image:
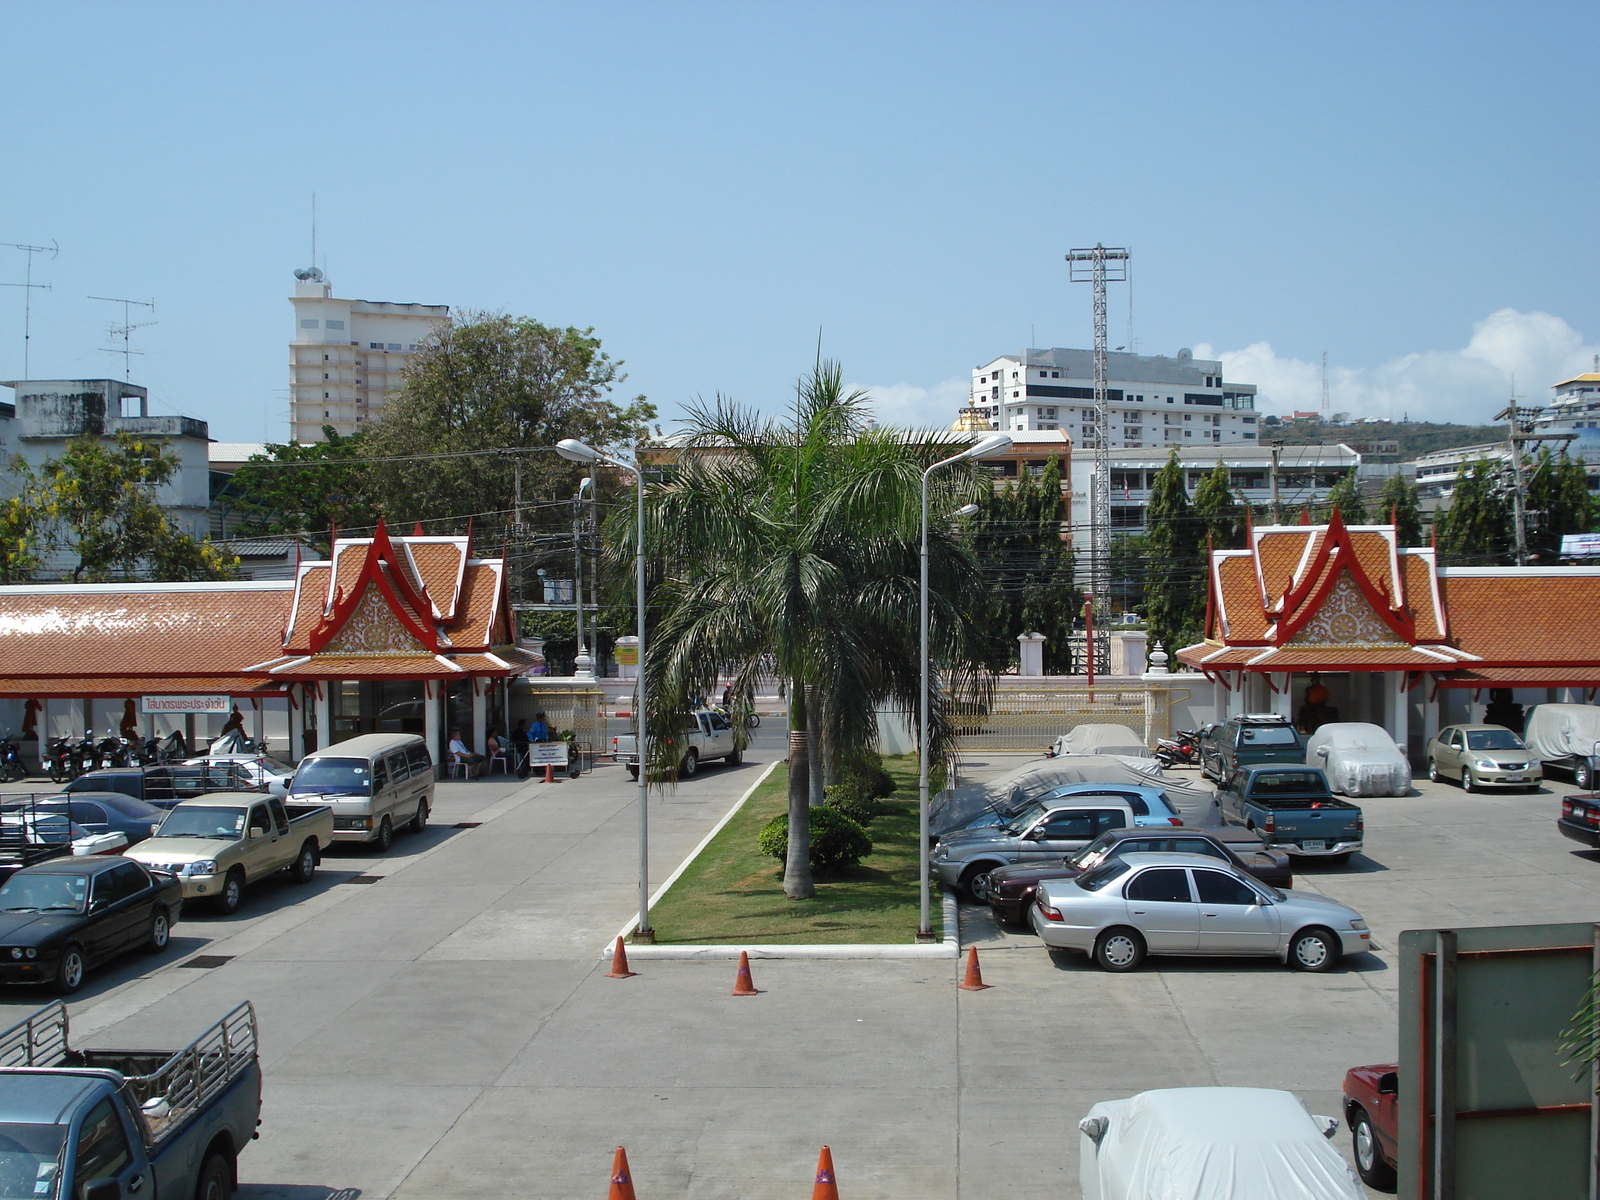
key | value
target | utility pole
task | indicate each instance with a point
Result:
(1098, 265)
(1277, 515)
(1519, 425)
(1326, 407)
(27, 287)
(125, 331)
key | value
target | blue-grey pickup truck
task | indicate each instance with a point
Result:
(105, 1124)
(1293, 809)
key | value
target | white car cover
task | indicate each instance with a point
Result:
(1101, 739)
(1360, 759)
(1195, 800)
(1217, 1143)
(1558, 731)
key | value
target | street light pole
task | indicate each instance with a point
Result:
(576, 451)
(995, 443)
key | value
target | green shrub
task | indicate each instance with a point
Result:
(847, 797)
(865, 770)
(836, 840)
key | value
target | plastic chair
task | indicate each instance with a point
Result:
(501, 759)
(456, 766)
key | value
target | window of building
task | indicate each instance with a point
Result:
(335, 325)
(324, 395)
(324, 374)
(325, 413)
(1049, 412)
(394, 345)
(374, 345)
(324, 358)
(1055, 374)
(311, 323)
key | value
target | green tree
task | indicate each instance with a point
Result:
(1397, 502)
(1557, 502)
(102, 497)
(25, 527)
(1346, 497)
(309, 489)
(1477, 529)
(1029, 570)
(1175, 570)
(496, 382)
(794, 545)
(1218, 510)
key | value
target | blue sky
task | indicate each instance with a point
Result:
(1411, 188)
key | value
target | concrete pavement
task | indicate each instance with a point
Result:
(448, 1029)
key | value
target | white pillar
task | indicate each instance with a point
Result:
(1283, 702)
(1430, 713)
(297, 723)
(1030, 655)
(320, 708)
(1399, 713)
(480, 714)
(430, 725)
(260, 721)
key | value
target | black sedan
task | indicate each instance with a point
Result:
(62, 917)
(106, 812)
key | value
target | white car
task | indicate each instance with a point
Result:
(1359, 759)
(1211, 1143)
(254, 769)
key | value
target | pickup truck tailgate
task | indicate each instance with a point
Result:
(1327, 823)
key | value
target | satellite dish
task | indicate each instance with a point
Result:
(1185, 354)
(309, 273)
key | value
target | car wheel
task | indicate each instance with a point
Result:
(1119, 949)
(633, 772)
(1582, 776)
(420, 821)
(1468, 783)
(305, 865)
(734, 759)
(969, 877)
(160, 932)
(216, 1180)
(1374, 1171)
(385, 837)
(70, 972)
(1313, 950)
(232, 894)
(691, 764)
(1433, 771)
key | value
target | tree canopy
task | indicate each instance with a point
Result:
(306, 489)
(1175, 568)
(1398, 502)
(1028, 569)
(1477, 529)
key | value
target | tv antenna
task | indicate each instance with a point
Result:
(28, 285)
(125, 331)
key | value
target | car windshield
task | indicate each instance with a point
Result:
(1091, 854)
(1268, 735)
(1287, 783)
(42, 892)
(1026, 817)
(334, 775)
(1493, 739)
(1095, 879)
(30, 1160)
(202, 821)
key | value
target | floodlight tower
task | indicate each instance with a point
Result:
(1099, 265)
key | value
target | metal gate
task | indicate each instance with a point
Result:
(1029, 714)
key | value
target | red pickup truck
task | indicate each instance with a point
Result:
(1369, 1110)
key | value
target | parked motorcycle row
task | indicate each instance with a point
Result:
(66, 758)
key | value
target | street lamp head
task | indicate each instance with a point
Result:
(995, 443)
(573, 450)
(967, 510)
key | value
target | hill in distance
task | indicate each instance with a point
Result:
(1415, 437)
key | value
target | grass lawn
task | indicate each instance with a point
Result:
(733, 893)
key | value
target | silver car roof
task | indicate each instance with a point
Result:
(1171, 858)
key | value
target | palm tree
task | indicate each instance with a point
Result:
(794, 545)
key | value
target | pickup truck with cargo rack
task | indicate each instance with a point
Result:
(218, 844)
(1246, 740)
(104, 1124)
(1293, 810)
(165, 786)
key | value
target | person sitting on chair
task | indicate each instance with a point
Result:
(472, 764)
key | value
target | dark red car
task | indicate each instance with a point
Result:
(1369, 1110)
(1009, 890)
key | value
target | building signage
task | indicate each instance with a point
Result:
(547, 754)
(626, 656)
(1383, 448)
(1580, 545)
(150, 705)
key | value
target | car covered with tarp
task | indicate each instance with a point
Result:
(1567, 737)
(1359, 759)
(1195, 800)
(1211, 1143)
(1101, 739)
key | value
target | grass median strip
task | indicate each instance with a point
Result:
(734, 893)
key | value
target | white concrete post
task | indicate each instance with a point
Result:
(480, 717)
(1430, 715)
(297, 724)
(1030, 655)
(430, 726)
(1399, 710)
(1283, 702)
(320, 708)
(260, 722)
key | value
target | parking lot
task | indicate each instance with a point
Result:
(447, 1029)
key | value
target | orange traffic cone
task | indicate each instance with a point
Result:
(974, 980)
(619, 963)
(621, 1177)
(549, 773)
(743, 985)
(826, 1187)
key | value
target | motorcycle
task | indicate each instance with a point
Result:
(1180, 750)
(85, 754)
(59, 760)
(112, 752)
(11, 768)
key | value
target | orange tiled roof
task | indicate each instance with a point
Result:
(1536, 617)
(42, 687)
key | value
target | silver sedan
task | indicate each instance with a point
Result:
(1165, 903)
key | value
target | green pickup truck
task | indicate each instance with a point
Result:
(1292, 809)
(1246, 740)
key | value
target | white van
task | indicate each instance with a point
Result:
(372, 782)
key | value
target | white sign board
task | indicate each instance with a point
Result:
(150, 705)
(1580, 545)
(547, 754)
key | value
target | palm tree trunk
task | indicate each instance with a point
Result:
(814, 751)
(797, 883)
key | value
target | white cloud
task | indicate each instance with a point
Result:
(1468, 385)
(907, 406)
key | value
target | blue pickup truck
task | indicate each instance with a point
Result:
(1293, 809)
(104, 1124)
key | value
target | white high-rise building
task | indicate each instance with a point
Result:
(347, 355)
(1155, 400)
